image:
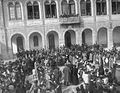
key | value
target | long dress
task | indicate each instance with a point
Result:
(66, 72)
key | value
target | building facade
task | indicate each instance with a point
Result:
(36, 24)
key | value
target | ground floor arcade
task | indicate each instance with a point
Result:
(54, 39)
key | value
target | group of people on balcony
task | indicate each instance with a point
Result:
(89, 68)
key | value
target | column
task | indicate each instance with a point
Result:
(61, 39)
(94, 33)
(92, 7)
(77, 36)
(110, 38)
(26, 43)
(43, 41)
(110, 29)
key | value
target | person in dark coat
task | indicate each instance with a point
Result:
(74, 75)
(101, 69)
(58, 75)
(27, 86)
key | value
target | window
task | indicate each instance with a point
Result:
(15, 11)
(115, 6)
(30, 10)
(47, 9)
(18, 10)
(85, 8)
(88, 7)
(11, 11)
(36, 10)
(50, 9)
(68, 8)
(33, 10)
(64, 7)
(71, 7)
(53, 9)
(35, 41)
(101, 7)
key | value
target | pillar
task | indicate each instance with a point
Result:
(26, 43)
(77, 36)
(94, 34)
(61, 39)
(110, 38)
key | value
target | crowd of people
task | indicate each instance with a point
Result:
(91, 68)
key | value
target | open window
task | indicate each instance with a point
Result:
(85, 7)
(115, 6)
(88, 7)
(50, 9)
(30, 10)
(47, 9)
(101, 7)
(36, 10)
(53, 9)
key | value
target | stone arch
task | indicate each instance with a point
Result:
(17, 42)
(35, 43)
(70, 38)
(87, 36)
(102, 37)
(52, 40)
(116, 36)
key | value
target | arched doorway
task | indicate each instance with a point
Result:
(102, 37)
(87, 37)
(70, 38)
(116, 36)
(53, 40)
(17, 43)
(35, 41)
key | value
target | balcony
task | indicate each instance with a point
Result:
(69, 19)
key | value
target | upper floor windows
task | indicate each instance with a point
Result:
(85, 7)
(115, 6)
(14, 11)
(64, 7)
(68, 8)
(50, 9)
(101, 7)
(71, 7)
(33, 10)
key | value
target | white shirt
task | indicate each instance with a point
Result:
(86, 78)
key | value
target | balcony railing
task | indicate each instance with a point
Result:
(69, 19)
